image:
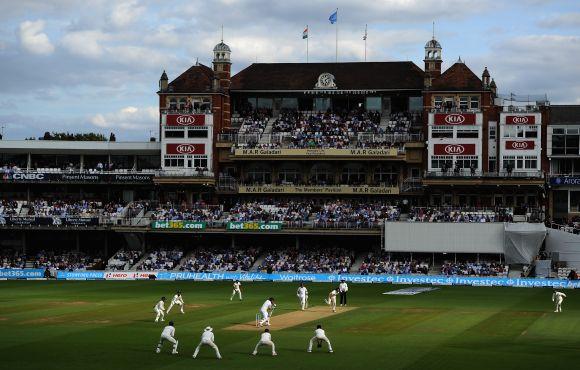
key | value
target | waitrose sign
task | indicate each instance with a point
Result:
(178, 224)
(254, 226)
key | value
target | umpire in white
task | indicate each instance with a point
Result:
(342, 290)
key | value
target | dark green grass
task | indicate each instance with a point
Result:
(109, 325)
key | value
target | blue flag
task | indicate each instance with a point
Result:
(333, 17)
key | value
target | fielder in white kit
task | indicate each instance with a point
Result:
(558, 298)
(302, 295)
(177, 300)
(319, 335)
(207, 338)
(160, 309)
(237, 289)
(168, 334)
(265, 340)
(266, 311)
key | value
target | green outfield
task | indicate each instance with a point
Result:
(109, 325)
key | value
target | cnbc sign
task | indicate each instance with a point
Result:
(178, 225)
(254, 226)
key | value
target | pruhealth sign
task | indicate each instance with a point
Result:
(21, 273)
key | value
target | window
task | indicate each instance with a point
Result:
(200, 133)
(509, 160)
(441, 161)
(492, 164)
(474, 102)
(438, 102)
(530, 163)
(259, 175)
(467, 134)
(353, 175)
(386, 175)
(200, 161)
(558, 144)
(174, 133)
(442, 134)
(289, 176)
(174, 161)
(463, 102)
(373, 103)
(173, 104)
(466, 161)
(492, 133)
(572, 144)
(531, 132)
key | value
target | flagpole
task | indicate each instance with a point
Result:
(336, 35)
(307, 37)
(365, 42)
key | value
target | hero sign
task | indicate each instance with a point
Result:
(185, 149)
(185, 120)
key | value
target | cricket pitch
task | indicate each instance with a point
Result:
(294, 318)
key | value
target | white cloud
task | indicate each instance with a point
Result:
(126, 12)
(85, 43)
(563, 20)
(33, 39)
(127, 118)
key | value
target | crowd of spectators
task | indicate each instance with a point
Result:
(255, 122)
(10, 259)
(199, 212)
(82, 208)
(474, 269)
(124, 259)
(383, 264)
(445, 214)
(316, 260)
(354, 214)
(227, 259)
(65, 260)
(277, 211)
(162, 259)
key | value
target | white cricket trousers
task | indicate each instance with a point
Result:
(234, 294)
(324, 338)
(207, 343)
(265, 343)
(333, 303)
(265, 318)
(175, 303)
(302, 300)
(160, 315)
(559, 305)
(169, 339)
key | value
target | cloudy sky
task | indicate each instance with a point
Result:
(94, 65)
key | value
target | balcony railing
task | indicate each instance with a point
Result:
(454, 110)
(467, 173)
(154, 172)
(186, 111)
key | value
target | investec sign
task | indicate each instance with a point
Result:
(454, 149)
(454, 119)
(185, 120)
(330, 152)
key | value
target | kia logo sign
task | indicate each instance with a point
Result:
(519, 145)
(520, 119)
(185, 120)
(455, 119)
(454, 149)
(185, 148)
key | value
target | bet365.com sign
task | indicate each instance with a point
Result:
(178, 225)
(254, 226)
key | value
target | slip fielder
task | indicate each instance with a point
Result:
(302, 295)
(177, 300)
(160, 309)
(265, 340)
(207, 338)
(320, 336)
(237, 289)
(168, 334)
(558, 298)
(266, 311)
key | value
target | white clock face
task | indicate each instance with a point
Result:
(325, 80)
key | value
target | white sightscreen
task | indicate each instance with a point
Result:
(444, 237)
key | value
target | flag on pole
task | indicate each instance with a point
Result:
(333, 17)
(305, 33)
(365, 36)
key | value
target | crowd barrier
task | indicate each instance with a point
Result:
(287, 277)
